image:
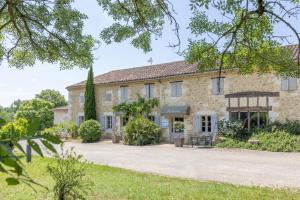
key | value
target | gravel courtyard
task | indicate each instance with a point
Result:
(224, 165)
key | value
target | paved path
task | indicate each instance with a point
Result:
(236, 166)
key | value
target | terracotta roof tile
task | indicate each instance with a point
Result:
(154, 71)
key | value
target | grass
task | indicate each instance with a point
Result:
(116, 183)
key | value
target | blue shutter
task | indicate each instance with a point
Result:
(284, 84)
(214, 123)
(157, 120)
(102, 121)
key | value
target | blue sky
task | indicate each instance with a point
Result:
(24, 84)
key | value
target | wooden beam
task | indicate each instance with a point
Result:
(246, 109)
(252, 94)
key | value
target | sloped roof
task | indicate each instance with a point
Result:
(154, 71)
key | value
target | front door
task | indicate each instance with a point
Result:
(176, 127)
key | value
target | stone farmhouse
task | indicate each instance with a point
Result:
(191, 97)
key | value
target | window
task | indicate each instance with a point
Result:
(176, 89)
(81, 98)
(288, 84)
(108, 96)
(151, 118)
(206, 123)
(124, 93)
(149, 90)
(217, 86)
(178, 125)
(108, 122)
(125, 121)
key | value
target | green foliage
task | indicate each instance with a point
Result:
(11, 134)
(52, 96)
(141, 131)
(292, 127)
(37, 108)
(19, 127)
(70, 176)
(69, 127)
(90, 131)
(89, 98)
(277, 141)
(44, 31)
(142, 106)
(136, 20)
(231, 129)
(246, 40)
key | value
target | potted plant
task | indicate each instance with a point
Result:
(116, 136)
(179, 136)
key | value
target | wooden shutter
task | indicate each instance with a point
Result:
(284, 84)
(214, 123)
(78, 120)
(214, 86)
(197, 124)
(179, 89)
(102, 122)
(221, 86)
(114, 120)
(173, 89)
(292, 83)
(157, 120)
(151, 90)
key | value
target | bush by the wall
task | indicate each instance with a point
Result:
(231, 129)
(292, 127)
(277, 141)
(90, 131)
(141, 131)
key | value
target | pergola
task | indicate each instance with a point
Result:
(253, 101)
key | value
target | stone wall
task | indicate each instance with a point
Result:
(197, 94)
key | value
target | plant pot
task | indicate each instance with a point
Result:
(116, 139)
(179, 142)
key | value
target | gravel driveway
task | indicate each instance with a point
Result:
(235, 166)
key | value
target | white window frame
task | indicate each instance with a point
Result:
(149, 90)
(216, 88)
(178, 89)
(207, 122)
(81, 98)
(108, 122)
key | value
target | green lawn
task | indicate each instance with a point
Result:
(115, 183)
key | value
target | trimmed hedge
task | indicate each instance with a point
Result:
(90, 131)
(141, 131)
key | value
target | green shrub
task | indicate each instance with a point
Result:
(71, 128)
(141, 131)
(231, 129)
(90, 131)
(277, 141)
(68, 127)
(69, 174)
(292, 127)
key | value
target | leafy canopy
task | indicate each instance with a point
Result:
(48, 31)
(241, 35)
(53, 96)
(37, 109)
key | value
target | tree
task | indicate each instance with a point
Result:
(89, 97)
(52, 96)
(140, 107)
(48, 31)
(37, 108)
(241, 36)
